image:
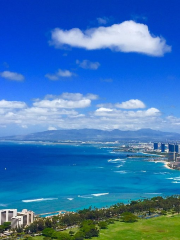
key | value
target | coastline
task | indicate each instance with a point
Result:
(92, 160)
(166, 164)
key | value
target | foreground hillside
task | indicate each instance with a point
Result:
(160, 228)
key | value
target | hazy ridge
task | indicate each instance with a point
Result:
(96, 135)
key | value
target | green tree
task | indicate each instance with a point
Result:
(48, 232)
(71, 233)
(128, 217)
(79, 236)
(7, 225)
(61, 236)
(102, 225)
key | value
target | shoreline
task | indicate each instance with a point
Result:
(166, 164)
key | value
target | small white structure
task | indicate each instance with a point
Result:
(17, 219)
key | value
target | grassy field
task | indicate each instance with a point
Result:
(166, 228)
(160, 228)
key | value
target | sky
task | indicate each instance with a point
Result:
(89, 64)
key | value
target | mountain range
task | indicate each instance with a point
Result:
(97, 135)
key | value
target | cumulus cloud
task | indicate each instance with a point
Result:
(127, 36)
(67, 100)
(70, 110)
(60, 74)
(131, 104)
(107, 112)
(102, 109)
(72, 96)
(86, 64)
(12, 104)
(12, 76)
(61, 103)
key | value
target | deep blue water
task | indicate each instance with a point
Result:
(69, 177)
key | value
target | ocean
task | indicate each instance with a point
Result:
(52, 177)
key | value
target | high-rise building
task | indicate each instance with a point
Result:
(176, 148)
(7, 214)
(171, 147)
(17, 219)
(163, 147)
(155, 146)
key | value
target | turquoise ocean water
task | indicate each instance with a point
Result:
(48, 177)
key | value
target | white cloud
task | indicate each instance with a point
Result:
(60, 73)
(104, 110)
(70, 110)
(52, 128)
(173, 120)
(52, 76)
(131, 104)
(48, 111)
(92, 96)
(112, 113)
(12, 76)
(127, 36)
(61, 103)
(72, 96)
(86, 64)
(67, 100)
(102, 21)
(12, 104)
(64, 73)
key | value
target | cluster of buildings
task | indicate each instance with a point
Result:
(17, 219)
(172, 149)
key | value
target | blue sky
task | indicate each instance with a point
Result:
(89, 64)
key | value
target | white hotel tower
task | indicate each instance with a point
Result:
(17, 219)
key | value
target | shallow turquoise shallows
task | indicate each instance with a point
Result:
(48, 177)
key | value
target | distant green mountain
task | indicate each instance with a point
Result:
(97, 135)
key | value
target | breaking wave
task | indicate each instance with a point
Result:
(70, 199)
(39, 200)
(99, 194)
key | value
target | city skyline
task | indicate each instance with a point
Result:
(78, 64)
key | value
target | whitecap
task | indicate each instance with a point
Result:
(162, 173)
(70, 199)
(155, 193)
(170, 178)
(3, 205)
(85, 196)
(175, 182)
(123, 172)
(39, 200)
(116, 160)
(176, 178)
(119, 166)
(99, 194)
